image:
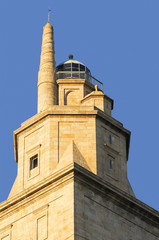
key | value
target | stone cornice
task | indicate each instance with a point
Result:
(57, 110)
(75, 81)
(78, 173)
(71, 81)
(53, 110)
(69, 110)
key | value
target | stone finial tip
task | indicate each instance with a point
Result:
(96, 88)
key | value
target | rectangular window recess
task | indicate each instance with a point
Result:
(110, 164)
(33, 161)
(110, 139)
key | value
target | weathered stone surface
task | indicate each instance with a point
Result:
(105, 212)
(74, 203)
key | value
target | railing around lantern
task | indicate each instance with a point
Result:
(79, 75)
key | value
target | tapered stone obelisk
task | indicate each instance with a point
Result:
(47, 87)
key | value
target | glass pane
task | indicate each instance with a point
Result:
(35, 163)
(75, 65)
(75, 69)
(67, 69)
(82, 75)
(75, 75)
(60, 75)
(88, 78)
(87, 71)
(67, 75)
(82, 68)
(59, 68)
(66, 66)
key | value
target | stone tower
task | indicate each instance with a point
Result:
(72, 164)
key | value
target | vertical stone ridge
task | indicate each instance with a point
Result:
(47, 87)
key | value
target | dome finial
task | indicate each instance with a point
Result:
(70, 56)
(49, 10)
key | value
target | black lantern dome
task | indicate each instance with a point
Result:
(72, 69)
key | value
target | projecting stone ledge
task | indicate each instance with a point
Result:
(89, 192)
(69, 110)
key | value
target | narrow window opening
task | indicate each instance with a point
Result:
(110, 139)
(110, 164)
(34, 162)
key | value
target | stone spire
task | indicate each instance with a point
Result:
(47, 87)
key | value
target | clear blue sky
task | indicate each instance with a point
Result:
(119, 42)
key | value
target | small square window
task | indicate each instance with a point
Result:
(34, 162)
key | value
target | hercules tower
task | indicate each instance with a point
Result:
(72, 163)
